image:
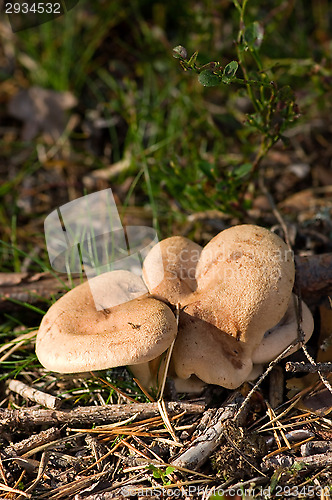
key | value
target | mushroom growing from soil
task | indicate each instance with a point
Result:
(76, 337)
(235, 305)
(245, 277)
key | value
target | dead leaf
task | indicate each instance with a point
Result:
(320, 402)
(42, 111)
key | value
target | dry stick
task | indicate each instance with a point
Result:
(202, 447)
(4, 487)
(3, 473)
(316, 447)
(32, 417)
(75, 486)
(313, 461)
(32, 288)
(28, 392)
(275, 211)
(292, 366)
(32, 442)
(15, 344)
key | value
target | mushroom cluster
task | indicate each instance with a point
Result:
(236, 313)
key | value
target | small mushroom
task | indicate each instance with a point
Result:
(172, 278)
(76, 337)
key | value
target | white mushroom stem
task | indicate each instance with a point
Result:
(278, 338)
(149, 374)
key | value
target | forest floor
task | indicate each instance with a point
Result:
(127, 117)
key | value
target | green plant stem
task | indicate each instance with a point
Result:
(264, 148)
(240, 52)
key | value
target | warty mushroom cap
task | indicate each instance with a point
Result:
(244, 278)
(172, 278)
(75, 337)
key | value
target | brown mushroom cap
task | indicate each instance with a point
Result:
(172, 277)
(283, 334)
(75, 337)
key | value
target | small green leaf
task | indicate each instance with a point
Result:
(230, 71)
(208, 79)
(179, 52)
(208, 169)
(298, 466)
(169, 470)
(274, 480)
(242, 170)
(253, 35)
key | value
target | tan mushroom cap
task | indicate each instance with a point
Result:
(248, 274)
(244, 278)
(203, 350)
(75, 337)
(172, 277)
(284, 333)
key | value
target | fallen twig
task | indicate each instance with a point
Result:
(316, 447)
(35, 395)
(33, 417)
(42, 466)
(284, 461)
(292, 366)
(264, 375)
(33, 288)
(313, 363)
(32, 442)
(202, 447)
